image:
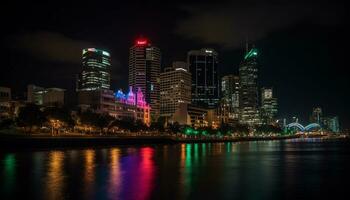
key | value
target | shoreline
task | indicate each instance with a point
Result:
(14, 142)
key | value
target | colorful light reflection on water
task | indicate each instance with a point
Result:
(250, 170)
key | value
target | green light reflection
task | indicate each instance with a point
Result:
(9, 173)
(196, 154)
(204, 150)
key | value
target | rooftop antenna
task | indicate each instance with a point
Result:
(246, 45)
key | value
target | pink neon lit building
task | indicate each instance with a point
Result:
(132, 106)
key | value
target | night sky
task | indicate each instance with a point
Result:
(302, 44)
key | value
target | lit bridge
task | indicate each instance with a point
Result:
(303, 128)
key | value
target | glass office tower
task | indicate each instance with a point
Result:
(203, 65)
(96, 70)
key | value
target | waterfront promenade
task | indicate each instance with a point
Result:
(20, 141)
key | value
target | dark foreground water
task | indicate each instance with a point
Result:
(291, 169)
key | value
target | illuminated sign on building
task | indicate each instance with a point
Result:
(141, 42)
(105, 53)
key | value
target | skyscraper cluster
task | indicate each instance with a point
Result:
(330, 123)
(240, 94)
(185, 90)
(188, 92)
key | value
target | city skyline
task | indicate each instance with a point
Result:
(296, 91)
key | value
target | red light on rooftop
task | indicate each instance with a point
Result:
(141, 42)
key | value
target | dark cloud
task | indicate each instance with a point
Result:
(49, 46)
(232, 23)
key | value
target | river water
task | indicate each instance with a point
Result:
(289, 169)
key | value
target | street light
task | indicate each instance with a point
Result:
(55, 124)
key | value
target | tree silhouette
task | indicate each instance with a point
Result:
(30, 116)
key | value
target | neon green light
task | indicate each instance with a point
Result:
(188, 131)
(252, 53)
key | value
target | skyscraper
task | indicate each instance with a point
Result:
(175, 88)
(96, 70)
(230, 94)
(316, 116)
(331, 124)
(268, 106)
(203, 65)
(144, 72)
(248, 95)
(93, 84)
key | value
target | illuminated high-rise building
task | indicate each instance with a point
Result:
(144, 72)
(230, 95)
(203, 65)
(316, 116)
(248, 95)
(175, 88)
(268, 106)
(93, 83)
(331, 124)
(96, 70)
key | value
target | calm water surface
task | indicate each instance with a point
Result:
(291, 169)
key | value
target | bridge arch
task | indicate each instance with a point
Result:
(297, 125)
(312, 126)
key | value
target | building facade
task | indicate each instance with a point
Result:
(45, 96)
(230, 96)
(132, 105)
(5, 94)
(93, 85)
(331, 124)
(5, 102)
(144, 72)
(175, 88)
(269, 105)
(99, 101)
(203, 66)
(248, 95)
(96, 67)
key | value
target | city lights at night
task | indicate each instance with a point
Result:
(174, 100)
